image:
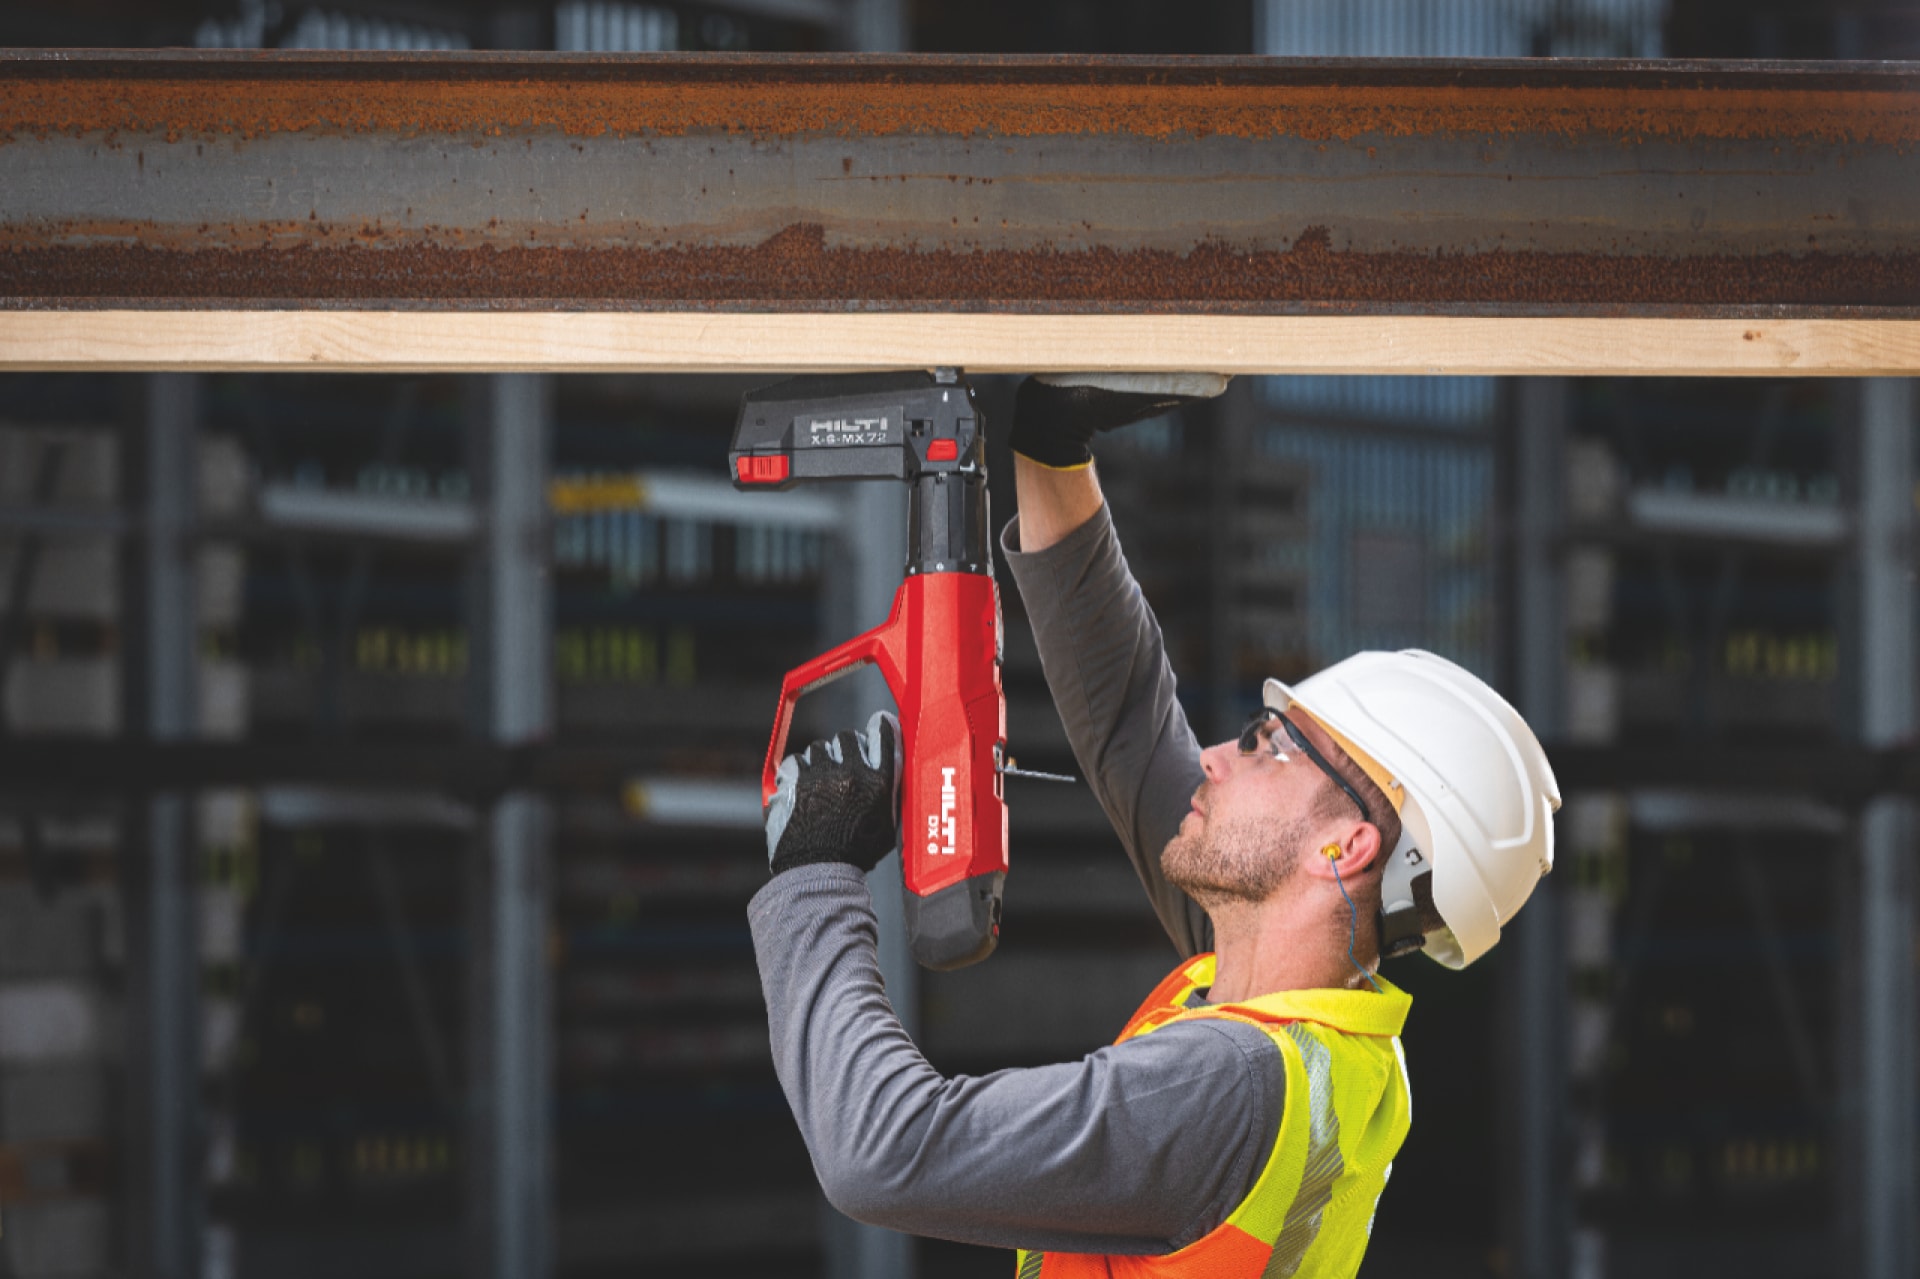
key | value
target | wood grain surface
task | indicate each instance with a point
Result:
(715, 342)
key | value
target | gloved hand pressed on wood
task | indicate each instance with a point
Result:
(1056, 415)
(838, 800)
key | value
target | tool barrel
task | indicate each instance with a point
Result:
(947, 523)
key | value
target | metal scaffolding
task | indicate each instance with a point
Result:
(167, 1198)
(1538, 1222)
(1883, 1108)
(510, 1205)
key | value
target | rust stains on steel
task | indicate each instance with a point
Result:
(215, 179)
(219, 94)
(798, 269)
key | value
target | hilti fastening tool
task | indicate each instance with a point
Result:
(940, 649)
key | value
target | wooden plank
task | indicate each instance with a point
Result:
(720, 342)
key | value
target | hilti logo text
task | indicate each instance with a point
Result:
(940, 828)
(848, 430)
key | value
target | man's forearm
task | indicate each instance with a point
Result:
(1052, 502)
(1138, 1148)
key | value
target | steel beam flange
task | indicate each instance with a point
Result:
(298, 180)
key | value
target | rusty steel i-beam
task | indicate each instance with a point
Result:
(1155, 190)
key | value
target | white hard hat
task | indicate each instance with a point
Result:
(1475, 794)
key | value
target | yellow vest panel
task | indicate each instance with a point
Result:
(1346, 1112)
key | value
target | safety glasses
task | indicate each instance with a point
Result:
(1250, 744)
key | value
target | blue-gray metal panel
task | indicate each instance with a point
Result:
(1888, 829)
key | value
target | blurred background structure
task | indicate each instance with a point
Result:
(415, 1033)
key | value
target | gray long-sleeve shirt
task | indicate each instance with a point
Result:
(1141, 1147)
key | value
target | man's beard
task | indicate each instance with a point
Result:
(1244, 863)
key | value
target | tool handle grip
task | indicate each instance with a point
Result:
(872, 647)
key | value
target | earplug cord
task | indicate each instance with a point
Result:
(1353, 925)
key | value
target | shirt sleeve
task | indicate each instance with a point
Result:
(1140, 1148)
(1106, 665)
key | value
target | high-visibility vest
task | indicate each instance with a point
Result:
(1346, 1112)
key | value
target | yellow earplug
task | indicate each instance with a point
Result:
(1331, 852)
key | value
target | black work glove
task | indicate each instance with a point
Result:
(838, 800)
(1056, 415)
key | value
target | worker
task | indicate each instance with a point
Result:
(1246, 1119)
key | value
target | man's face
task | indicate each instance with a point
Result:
(1252, 819)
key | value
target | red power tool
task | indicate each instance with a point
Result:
(939, 650)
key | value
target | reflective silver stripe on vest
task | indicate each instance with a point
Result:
(1323, 1166)
(1030, 1268)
